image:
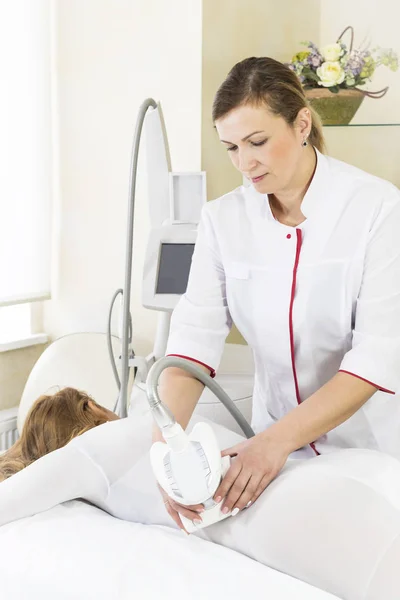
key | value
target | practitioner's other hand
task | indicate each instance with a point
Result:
(256, 463)
(174, 509)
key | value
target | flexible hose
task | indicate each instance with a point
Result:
(162, 414)
(109, 345)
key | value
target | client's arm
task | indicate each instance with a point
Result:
(59, 476)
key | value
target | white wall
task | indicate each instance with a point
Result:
(111, 55)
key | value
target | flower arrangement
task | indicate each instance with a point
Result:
(337, 66)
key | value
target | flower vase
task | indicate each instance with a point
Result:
(335, 109)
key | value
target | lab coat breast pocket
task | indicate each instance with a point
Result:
(324, 306)
(258, 299)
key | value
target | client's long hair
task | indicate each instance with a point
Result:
(51, 423)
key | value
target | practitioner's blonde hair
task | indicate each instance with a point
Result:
(264, 81)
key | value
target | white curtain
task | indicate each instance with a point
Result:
(25, 150)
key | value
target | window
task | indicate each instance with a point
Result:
(25, 158)
(18, 324)
(15, 322)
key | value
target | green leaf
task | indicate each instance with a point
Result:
(309, 74)
(334, 89)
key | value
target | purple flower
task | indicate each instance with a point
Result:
(313, 47)
(314, 60)
(355, 62)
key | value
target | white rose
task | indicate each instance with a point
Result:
(330, 73)
(332, 52)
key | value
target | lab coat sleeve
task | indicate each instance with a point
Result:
(375, 352)
(201, 319)
(62, 475)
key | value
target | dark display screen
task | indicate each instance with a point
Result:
(173, 272)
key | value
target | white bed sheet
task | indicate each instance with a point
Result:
(75, 551)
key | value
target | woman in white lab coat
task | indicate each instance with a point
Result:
(306, 262)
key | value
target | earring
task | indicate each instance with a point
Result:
(305, 143)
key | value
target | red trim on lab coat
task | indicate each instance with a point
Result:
(212, 372)
(381, 389)
(291, 333)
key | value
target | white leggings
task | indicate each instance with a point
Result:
(320, 523)
(332, 521)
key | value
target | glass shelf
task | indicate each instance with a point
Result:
(366, 125)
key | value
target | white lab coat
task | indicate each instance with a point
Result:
(310, 300)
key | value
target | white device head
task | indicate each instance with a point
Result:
(190, 470)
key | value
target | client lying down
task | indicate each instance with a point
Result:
(332, 521)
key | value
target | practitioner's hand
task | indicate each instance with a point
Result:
(257, 462)
(174, 509)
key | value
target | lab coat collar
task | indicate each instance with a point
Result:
(317, 192)
(318, 187)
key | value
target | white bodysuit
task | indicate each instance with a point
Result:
(333, 521)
